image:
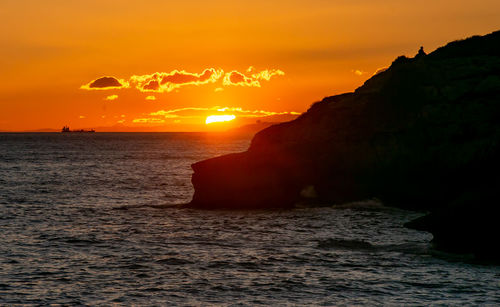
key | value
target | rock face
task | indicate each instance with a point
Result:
(423, 134)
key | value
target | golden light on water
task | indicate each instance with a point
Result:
(219, 118)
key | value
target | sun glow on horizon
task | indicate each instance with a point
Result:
(170, 63)
(219, 118)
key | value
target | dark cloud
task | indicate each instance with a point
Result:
(162, 82)
(152, 85)
(104, 83)
(236, 77)
(179, 77)
(167, 82)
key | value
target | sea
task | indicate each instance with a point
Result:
(87, 219)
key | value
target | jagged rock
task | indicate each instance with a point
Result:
(418, 135)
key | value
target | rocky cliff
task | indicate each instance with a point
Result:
(423, 134)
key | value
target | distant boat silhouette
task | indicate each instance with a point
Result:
(66, 129)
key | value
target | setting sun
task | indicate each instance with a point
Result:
(219, 118)
(205, 152)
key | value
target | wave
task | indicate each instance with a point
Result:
(344, 244)
(174, 261)
(163, 206)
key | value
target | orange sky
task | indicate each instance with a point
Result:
(299, 51)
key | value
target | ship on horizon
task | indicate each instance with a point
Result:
(66, 129)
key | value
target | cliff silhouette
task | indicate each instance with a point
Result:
(423, 134)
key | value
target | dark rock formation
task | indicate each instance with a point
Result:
(423, 134)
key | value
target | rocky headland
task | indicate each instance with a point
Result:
(423, 135)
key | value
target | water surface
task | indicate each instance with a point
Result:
(83, 221)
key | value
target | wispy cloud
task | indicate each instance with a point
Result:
(267, 74)
(195, 112)
(358, 72)
(168, 113)
(150, 98)
(148, 120)
(255, 113)
(111, 97)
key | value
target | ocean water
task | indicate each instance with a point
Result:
(85, 220)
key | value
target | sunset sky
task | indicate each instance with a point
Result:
(167, 65)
